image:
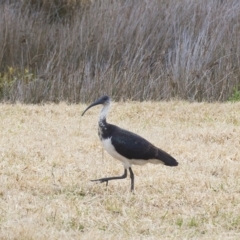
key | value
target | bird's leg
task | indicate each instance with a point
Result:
(101, 180)
(132, 179)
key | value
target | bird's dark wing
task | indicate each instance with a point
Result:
(133, 146)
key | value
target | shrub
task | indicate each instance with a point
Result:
(235, 97)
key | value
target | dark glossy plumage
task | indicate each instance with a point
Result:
(133, 146)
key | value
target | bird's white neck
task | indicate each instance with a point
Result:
(104, 112)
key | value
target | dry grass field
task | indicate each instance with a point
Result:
(49, 154)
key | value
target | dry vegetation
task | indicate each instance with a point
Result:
(74, 50)
(48, 154)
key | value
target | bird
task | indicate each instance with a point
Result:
(125, 146)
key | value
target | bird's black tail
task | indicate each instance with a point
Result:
(166, 158)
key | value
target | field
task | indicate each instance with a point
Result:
(50, 153)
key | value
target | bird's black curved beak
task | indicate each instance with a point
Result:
(97, 102)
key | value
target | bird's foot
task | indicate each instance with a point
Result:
(101, 180)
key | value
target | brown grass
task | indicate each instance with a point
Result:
(49, 154)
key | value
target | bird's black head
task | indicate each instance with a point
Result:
(104, 100)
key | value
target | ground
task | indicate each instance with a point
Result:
(49, 154)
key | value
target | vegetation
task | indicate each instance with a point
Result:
(76, 50)
(235, 96)
(48, 155)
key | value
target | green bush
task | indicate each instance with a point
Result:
(9, 78)
(235, 96)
